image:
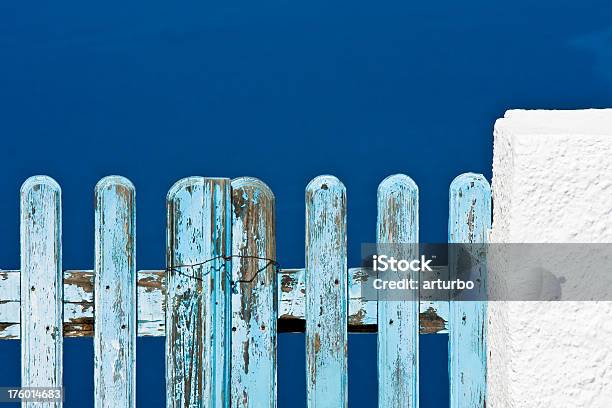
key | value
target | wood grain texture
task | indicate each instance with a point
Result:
(326, 294)
(151, 291)
(9, 304)
(41, 286)
(398, 329)
(469, 222)
(254, 298)
(151, 288)
(198, 303)
(115, 294)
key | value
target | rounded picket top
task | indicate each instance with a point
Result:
(469, 181)
(113, 188)
(186, 183)
(398, 214)
(41, 193)
(397, 183)
(114, 181)
(325, 182)
(469, 199)
(36, 182)
(258, 187)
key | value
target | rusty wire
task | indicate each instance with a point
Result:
(225, 259)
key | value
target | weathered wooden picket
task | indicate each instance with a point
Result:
(221, 300)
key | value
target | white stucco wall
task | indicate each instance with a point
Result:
(552, 182)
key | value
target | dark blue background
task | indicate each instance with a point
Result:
(284, 91)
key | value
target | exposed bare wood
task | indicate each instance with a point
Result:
(41, 287)
(79, 308)
(254, 305)
(398, 334)
(198, 295)
(115, 294)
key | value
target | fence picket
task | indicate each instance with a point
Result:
(151, 286)
(254, 303)
(326, 293)
(469, 222)
(198, 303)
(115, 294)
(398, 321)
(41, 286)
(220, 297)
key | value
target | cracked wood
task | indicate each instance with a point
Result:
(79, 305)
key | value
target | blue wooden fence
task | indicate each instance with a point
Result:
(221, 300)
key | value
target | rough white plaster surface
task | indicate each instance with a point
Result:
(552, 182)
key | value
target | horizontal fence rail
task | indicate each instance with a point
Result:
(222, 298)
(151, 287)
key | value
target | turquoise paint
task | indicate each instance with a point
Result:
(326, 294)
(254, 304)
(115, 294)
(198, 305)
(469, 222)
(398, 321)
(41, 286)
(78, 302)
(201, 214)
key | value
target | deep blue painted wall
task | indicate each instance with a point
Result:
(283, 91)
